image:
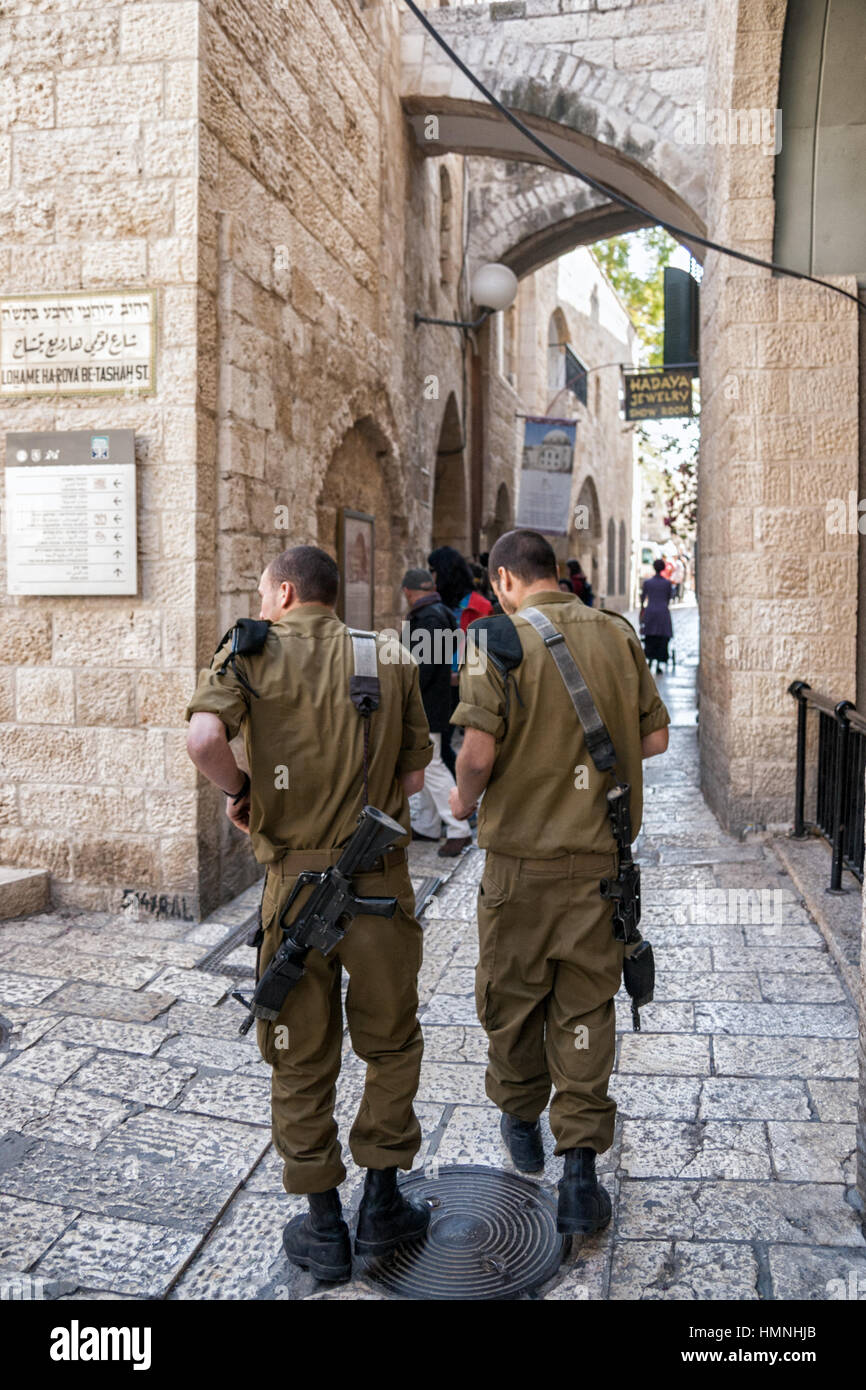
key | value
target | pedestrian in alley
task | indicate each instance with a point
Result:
(453, 579)
(655, 620)
(309, 779)
(580, 583)
(549, 965)
(432, 640)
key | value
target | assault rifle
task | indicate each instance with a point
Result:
(326, 915)
(624, 890)
(638, 969)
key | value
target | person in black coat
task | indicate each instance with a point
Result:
(432, 640)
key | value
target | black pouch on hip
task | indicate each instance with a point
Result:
(639, 977)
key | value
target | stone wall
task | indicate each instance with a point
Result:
(321, 234)
(98, 168)
(779, 440)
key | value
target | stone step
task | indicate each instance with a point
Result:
(22, 891)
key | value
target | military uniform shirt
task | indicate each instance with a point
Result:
(301, 729)
(545, 797)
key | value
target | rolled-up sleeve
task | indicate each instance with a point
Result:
(221, 694)
(482, 699)
(653, 711)
(416, 748)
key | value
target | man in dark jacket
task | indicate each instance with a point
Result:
(432, 641)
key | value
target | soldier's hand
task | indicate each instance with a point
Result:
(239, 814)
(458, 810)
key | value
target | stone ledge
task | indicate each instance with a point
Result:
(837, 916)
(23, 891)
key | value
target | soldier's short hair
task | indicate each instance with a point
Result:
(527, 554)
(312, 571)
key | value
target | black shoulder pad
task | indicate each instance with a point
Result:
(502, 642)
(252, 633)
(247, 635)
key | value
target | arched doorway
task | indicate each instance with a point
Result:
(357, 480)
(585, 532)
(451, 518)
(503, 517)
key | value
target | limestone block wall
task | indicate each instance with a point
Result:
(98, 189)
(779, 442)
(322, 232)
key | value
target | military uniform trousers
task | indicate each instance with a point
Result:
(547, 973)
(382, 957)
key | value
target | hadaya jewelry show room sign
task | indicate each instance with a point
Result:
(658, 394)
(78, 344)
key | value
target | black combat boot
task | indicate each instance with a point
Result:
(319, 1241)
(584, 1206)
(523, 1140)
(386, 1218)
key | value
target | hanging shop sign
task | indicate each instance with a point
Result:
(655, 394)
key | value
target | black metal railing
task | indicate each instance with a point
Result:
(838, 775)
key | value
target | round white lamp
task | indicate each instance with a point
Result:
(494, 286)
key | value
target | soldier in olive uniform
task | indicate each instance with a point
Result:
(304, 743)
(549, 966)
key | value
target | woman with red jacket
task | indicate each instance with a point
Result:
(453, 579)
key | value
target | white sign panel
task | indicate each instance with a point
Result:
(70, 513)
(91, 344)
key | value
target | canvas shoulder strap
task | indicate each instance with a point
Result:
(364, 687)
(598, 740)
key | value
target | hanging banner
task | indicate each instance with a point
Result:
(545, 477)
(658, 394)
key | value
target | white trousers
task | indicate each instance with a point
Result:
(429, 807)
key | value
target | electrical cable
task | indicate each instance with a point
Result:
(679, 232)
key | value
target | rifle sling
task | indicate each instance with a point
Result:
(598, 740)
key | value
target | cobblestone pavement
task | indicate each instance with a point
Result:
(135, 1158)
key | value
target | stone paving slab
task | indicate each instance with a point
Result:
(27, 1230)
(119, 1256)
(823, 1152)
(176, 1195)
(109, 1034)
(74, 1117)
(769, 1056)
(809, 1020)
(653, 1209)
(804, 1272)
(103, 1001)
(684, 1271)
(713, 1149)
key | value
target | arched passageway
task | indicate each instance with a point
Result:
(357, 481)
(450, 486)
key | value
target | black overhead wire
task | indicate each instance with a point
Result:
(679, 232)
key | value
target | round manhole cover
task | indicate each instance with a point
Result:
(492, 1235)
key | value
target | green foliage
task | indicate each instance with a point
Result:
(642, 294)
(669, 459)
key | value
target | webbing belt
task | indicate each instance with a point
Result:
(364, 687)
(598, 740)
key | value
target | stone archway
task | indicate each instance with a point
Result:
(613, 125)
(357, 478)
(502, 519)
(451, 517)
(584, 537)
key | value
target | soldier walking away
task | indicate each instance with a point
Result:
(314, 764)
(549, 963)
(433, 639)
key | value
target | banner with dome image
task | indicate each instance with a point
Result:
(545, 475)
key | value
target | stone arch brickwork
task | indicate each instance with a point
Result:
(599, 103)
